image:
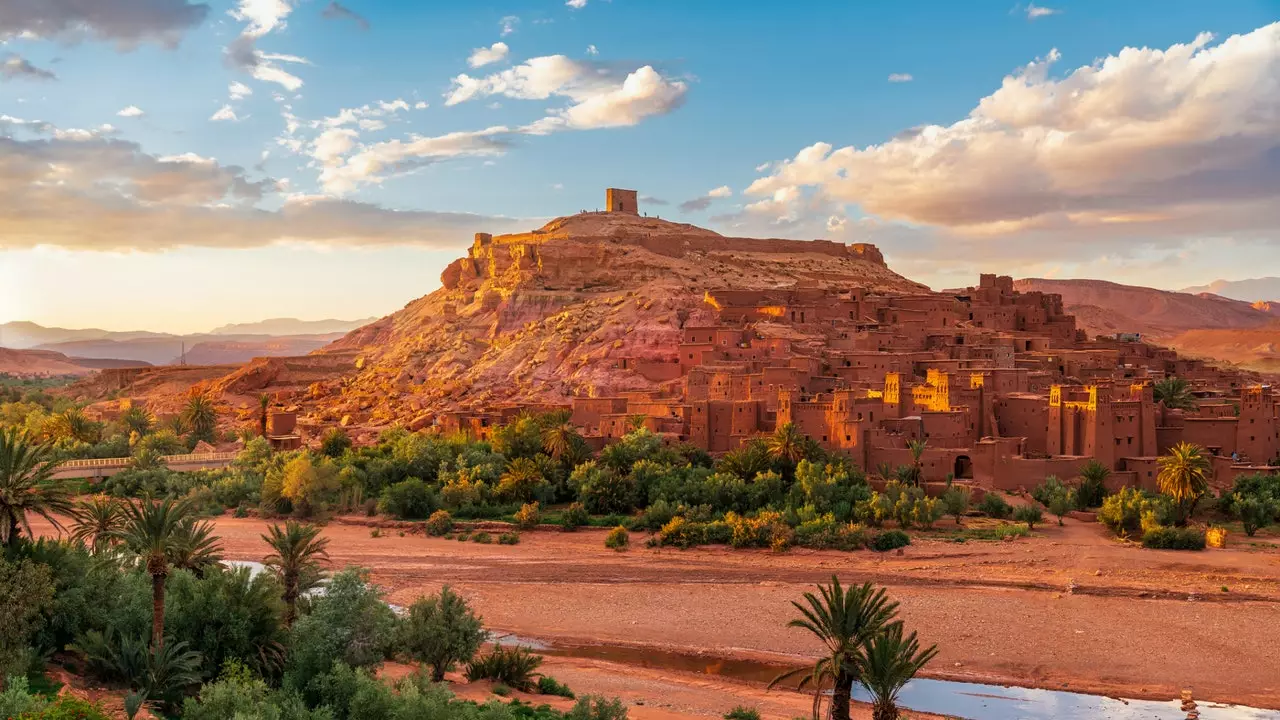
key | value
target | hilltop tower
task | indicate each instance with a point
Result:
(623, 201)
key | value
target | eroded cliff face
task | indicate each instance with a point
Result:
(547, 315)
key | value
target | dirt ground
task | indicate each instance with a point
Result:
(1069, 608)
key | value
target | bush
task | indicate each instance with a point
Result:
(410, 499)
(528, 516)
(1128, 511)
(516, 667)
(955, 501)
(509, 538)
(441, 631)
(1047, 490)
(1093, 489)
(348, 624)
(440, 523)
(617, 539)
(825, 533)
(335, 442)
(889, 540)
(574, 516)
(1171, 538)
(482, 537)
(994, 506)
(741, 712)
(68, 707)
(681, 533)
(17, 698)
(594, 707)
(1254, 512)
(26, 593)
(1029, 514)
(602, 489)
(548, 685)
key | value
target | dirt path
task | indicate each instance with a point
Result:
(1070, 608)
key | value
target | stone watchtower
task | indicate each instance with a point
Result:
(623, 201)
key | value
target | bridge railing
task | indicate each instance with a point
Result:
(189, 458)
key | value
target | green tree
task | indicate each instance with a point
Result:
(72, 424)
(521, 481)
(264, 402)
(562, 442)
(27, 485)
(96, 521)
(956, 501)
(442, 631)
(1175, 393)
(156, 532)
(787, 444)
(26, 590)
(200, 416)
(137, 420)
(889, 660)
(844, 620)
(297, 550)
(1093, 485)
(335, 442)
(1184, 477)
(1255, 512)
(917, 448)
(349, 624)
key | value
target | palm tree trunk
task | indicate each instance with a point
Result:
(884, 710)
(290, 606)
(840, 696)
(157, 612)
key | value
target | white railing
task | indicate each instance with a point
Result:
(94, 463)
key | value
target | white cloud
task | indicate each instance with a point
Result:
(508, 24)
(704, 202)
(420, 105)
(372, 163)
(592, 50)
(132, 111)
(263, 16)
(332, 144)
(486, 56)
(1154, 144)
(900, 77)
(576, 4)
(600, 98)
(16, 67)
(1035, 11)
(239, 91)
(721, 192)
(225, 113)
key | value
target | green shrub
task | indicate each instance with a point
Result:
(440, 523)
(1029, 514)
(482, 537)
(1255, 512)
(994, 506)
(1093, 489)
(1130, 511)
(594, 707)
(956, 500)
(1047, 490)
(741, 712)
(441, 631)
(548, 685)
(26, 593)
(509, 538)
(574, 516)
(1007, 530)
(335, 442)
(617, 539)
(680, 533)
(18, 699)
(926, 511)
(825, 533)
(349, 624)
(889, 540)
(602, 489)
(1171, 538)
(501, 690)
(68, 707)
(410, 499)
(516, 667)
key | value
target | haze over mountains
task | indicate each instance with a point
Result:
(228, 344)
(1251, 290)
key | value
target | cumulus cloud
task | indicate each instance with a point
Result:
(238, 90)
(576, 4)
(599, 96)
(225, 113)
(337, 11)
(374, 162)
(98, 193)
(133, 111)
(508, 24)
(1148, 142)
(125, 22)
(900, 77)
(263, 17)
(496, 52)
(16, 67)
(702, 203)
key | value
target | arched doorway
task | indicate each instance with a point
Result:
(964, 468)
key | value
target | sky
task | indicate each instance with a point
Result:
(175, 165)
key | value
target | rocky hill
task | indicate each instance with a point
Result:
(1202, 325)
(38, 363)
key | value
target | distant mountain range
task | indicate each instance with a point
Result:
(1252, 290)
(237, 343)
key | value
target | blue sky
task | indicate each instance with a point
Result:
(673, 98)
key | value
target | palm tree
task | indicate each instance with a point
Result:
(196, 547)
(561, 440)
(298, 549)
(97, 520)
(72, 424)
(917, 448)
(1184, 477)
(889, 661)
(156, 532)
(27, 485)
(520, 480)
(200, 415)
(787, 444)
(844, 620)
(1175, 393)
(137, 420)
(264, 401)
